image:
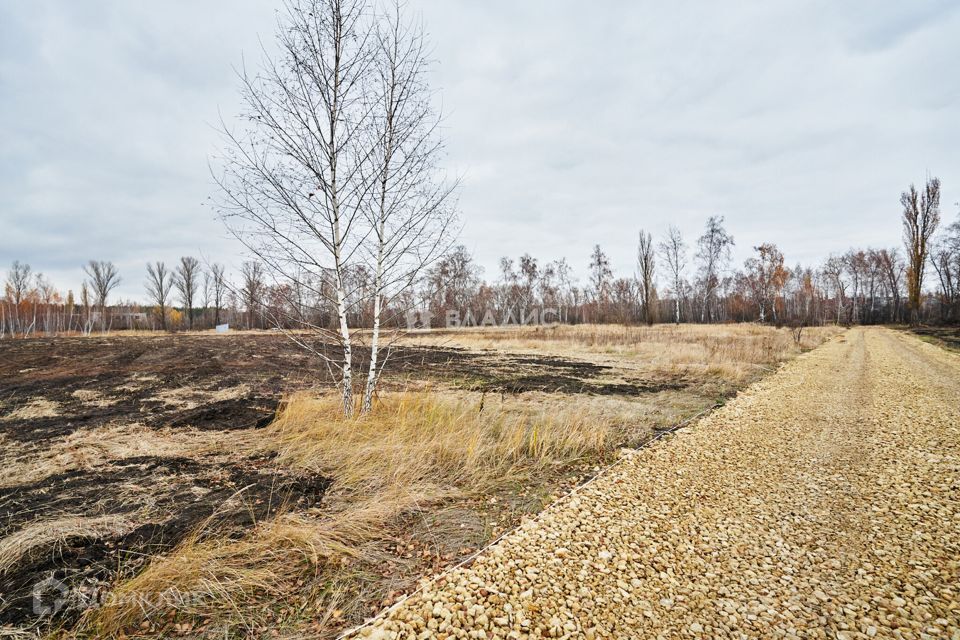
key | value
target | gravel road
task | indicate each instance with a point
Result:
(823, 502)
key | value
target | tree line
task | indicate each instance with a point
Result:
(680, 281)
(674, 281)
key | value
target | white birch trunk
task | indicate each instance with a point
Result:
(372, 374)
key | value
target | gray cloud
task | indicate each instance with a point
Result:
(799, 122)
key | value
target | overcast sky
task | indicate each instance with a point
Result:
(572, 123)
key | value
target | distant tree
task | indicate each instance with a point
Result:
(713, 256)
(186, 277)
(86, 323)
(624, 298)
(673, 250)
(646, 264)
(251, 273)
(921, 215)
(103, 277)
(892, 270)
(453, 283)
(833, 272)
(945, 259)
(766, 276)
(529, 276)
(219, 283)
(565, 288)
(159, 281)
(17, 286)
(601, 277)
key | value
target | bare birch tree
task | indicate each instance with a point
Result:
(409, 211)
(333, 174)
(921, 215)
(293, 188)
(17, 285)
(103, 278)
(252, 286)
(646, 259)
(674, 252)
(765, 277)
(714, 256)
(159, 282)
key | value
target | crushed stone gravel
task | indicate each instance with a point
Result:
(822, 502)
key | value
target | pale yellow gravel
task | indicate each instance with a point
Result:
(823, 502)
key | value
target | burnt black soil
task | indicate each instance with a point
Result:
(948, 337)
(131, 371)
(168, 498)
(183, 495)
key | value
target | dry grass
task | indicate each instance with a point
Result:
(463, 440)
(299, 561)
(414, 450)
(733, 352)
(93, 448)
(44, 534)
(93, 398)
(36, 408)
(192, 397)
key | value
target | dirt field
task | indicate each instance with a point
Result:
(117, 450)
(821, 503)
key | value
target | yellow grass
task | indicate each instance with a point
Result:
(438, 438)
(413, 450)
(36, 408)
(93, 398)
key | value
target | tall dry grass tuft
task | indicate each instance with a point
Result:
(436, 437)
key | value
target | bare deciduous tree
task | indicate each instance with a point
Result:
(891, 267)
(219, 285)
(714, 255)
(921, 215)
(185, 279)
(646, 262)
(86, 323)
(293, 185)
(601, 277)
(159, 281)
(409, 214)
(674, 252)
(251, 272)
(16, 287)
(103, 278)
(332, 174)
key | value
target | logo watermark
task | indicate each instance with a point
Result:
(422, 319)
(51, 596)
